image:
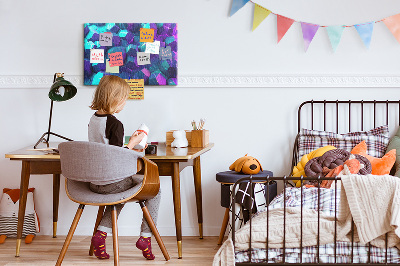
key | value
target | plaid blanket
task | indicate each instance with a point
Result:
(292, 198)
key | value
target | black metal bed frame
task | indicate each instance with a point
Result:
(337, 105)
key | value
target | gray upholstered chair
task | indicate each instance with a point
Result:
(83, 162)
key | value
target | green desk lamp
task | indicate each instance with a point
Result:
(61, 90)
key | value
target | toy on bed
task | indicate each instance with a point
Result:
(246, 165)
(298, 170)
(9, 205)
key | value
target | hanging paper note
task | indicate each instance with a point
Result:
(110, 69)
(137, 89)
(153, 47)
(309, 31)
(96, 56)
(146, 35)
(105, 39)
(365, 32)
(283, 25)
(393, 24)
(335, 35)
(165, 53)
(116, 59)
(260, 13)
(143, 58)
(236, 5)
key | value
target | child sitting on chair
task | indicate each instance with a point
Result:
(110, 98)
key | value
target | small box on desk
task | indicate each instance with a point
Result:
(170, 138)
(200, 138)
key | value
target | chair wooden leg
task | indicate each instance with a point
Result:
(98, 220)
(70, 234)
(154, 230)
(115, 235)
(223, 227)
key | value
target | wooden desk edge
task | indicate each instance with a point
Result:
(149, 156)
(183, 157)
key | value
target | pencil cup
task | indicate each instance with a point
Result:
(200, 138)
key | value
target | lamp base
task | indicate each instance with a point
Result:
(45, 139)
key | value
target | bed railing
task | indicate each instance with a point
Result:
(338, 117)
(285, 180)
(345, 116)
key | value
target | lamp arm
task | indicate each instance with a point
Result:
(51, 114)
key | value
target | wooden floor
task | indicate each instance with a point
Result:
(44, 250)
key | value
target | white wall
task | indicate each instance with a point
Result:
(40, 38)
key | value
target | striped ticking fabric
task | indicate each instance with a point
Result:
(326, 252)
(377, 140)
(8, 225)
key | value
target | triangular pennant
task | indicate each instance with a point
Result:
(309, 31)
(393, 23)
(365, 32)
(260, 13)
(335, 35)
(236, 5)
(283, 24)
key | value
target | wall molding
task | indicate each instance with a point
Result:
(186, 81)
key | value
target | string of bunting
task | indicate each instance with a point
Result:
(309, 30)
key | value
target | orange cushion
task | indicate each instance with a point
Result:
(380, 166)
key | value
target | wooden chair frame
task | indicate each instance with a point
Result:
(150, 187)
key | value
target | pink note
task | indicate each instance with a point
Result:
(116, 59)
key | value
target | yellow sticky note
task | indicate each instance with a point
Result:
(137, 89)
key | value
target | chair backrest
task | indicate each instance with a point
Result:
(93, 162)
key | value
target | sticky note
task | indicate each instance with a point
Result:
(137, 89)
(110, 69)
(105, 38)
(146, 35)
(96, 56)
(143, 58)
(165, 53)
(153, 47)
(116, 59)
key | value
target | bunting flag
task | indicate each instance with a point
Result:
(283, 24)
(335, 35)
(236, 5)
(365, 32)
(393, 23)
(260, 13)
(309, 31)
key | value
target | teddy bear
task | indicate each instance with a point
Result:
(9, 205)
(180, 140)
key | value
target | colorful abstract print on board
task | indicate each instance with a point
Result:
(137, 42)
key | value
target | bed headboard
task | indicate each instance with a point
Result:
(347, 116)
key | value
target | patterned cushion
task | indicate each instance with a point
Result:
(377, 139)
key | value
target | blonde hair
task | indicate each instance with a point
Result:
(109, 93)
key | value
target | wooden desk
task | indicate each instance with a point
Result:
(170, 162)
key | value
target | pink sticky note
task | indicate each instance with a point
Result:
(116, 59)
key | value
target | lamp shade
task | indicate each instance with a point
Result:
(62, 90)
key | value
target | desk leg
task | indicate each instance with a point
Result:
(197, 187)
(176, 190)
(56, 199)
(25, 175)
